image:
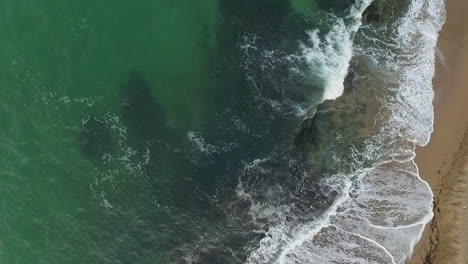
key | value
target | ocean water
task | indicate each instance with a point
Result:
(214, 131)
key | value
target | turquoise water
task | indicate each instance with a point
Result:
(98, 98)
(195, 131)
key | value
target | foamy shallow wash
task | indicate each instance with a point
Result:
(381, 211)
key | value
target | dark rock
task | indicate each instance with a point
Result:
(372, 13)
(349, 82)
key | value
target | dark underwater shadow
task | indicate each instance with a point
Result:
(171, 175)
(141, 114)
(94, 139)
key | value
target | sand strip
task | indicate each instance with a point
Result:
(443, 163)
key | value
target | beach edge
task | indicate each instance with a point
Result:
(443, 163)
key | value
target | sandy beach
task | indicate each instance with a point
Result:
(443, 163)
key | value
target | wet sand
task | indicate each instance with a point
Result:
(443, 163)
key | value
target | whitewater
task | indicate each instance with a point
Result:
(380, 211)
(288, 137)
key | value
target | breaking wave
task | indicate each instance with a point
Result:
(329, 57)
(380, 207)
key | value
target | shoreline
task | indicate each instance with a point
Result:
(443, 163)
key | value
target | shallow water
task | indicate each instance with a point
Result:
(197, 132)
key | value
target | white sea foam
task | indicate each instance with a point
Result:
(329, 56)
(380, 212)
(118, 168)
(199, 143)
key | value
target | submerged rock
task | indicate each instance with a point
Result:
(372, 13)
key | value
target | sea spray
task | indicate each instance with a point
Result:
(329, 56)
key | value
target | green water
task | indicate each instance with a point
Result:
(91, 168)
(56, 53)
